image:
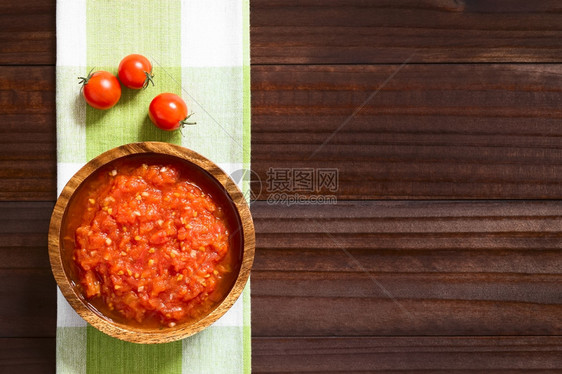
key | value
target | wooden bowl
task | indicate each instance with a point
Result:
(60, 250)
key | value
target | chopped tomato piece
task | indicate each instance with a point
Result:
(151, 245)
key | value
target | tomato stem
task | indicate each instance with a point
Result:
(185, 122)
(148, 79)
(84, 80)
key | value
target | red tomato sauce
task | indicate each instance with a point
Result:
(151, 246)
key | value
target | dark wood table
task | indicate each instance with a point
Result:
(443, 119)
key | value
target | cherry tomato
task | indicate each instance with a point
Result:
(135, 71)
(101, 89)
(168, 112)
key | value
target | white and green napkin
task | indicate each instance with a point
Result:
(199, 50)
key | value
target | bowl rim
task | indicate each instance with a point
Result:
(130, 333)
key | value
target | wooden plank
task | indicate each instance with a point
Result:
(23, 234)
(27, 355)
(412, 132)
(27, 32)
(347, 31)
(331, 304)
(389, 31)
(26, 283)
(537, 354)
(407, 268)
(27, 134)
(30, 308)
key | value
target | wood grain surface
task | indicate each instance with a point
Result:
(27, 355)
(408, 268)
(537, 354)
(347, 31)
(431, 131)
(443, 252)
(389, 31)
(27, 32)
(27, 133)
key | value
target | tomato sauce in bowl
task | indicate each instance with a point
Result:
(153, 242)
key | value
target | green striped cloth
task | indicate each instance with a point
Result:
(199, 50)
